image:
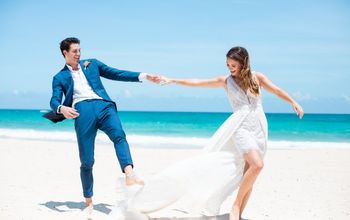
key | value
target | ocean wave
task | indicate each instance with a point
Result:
(138, 140)
(274, 144)
(156, 141)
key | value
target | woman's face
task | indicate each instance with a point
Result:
(234, 66)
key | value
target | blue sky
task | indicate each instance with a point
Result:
(302, 46)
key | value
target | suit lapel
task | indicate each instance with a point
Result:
(68, 76)
(83, 67)
(86, 72)
(69, 85)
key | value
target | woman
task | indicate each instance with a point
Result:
(232, 158)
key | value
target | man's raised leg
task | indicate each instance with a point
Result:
(111, 125)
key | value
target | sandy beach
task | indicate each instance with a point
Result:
(40, 180)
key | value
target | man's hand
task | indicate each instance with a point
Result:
(69, 112)
(153, 78)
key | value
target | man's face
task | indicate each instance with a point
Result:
(73, 55)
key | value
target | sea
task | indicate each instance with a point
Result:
(184, 129)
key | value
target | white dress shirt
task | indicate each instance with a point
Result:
(82, 89)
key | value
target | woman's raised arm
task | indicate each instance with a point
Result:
(267, 84)
(209, 83)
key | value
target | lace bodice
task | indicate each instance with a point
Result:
(239, 99)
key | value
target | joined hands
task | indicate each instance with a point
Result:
(154, 78)
(166, 81)
(159, 79)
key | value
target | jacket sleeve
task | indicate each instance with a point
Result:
(57, 94)
(116, 74)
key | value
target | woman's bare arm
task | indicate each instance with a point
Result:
(267, 84)
(209, 83)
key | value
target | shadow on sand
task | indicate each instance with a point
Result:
(221, 217)
(107, 209)
(69, 206)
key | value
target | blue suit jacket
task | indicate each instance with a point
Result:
(62, 84)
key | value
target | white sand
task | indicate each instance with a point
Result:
(40, 180)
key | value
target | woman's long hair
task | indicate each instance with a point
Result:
(240, 54)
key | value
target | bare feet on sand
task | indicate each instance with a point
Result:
(89, 208)
(131, 178)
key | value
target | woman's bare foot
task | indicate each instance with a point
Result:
(234, 214)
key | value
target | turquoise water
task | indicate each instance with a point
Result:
(313, 127)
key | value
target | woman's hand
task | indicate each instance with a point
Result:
(298, 109)
(165, 81)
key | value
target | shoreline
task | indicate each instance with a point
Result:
(166, 142)
(40, 180)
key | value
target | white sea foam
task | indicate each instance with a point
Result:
(306, 144)
(155, 141)
(137, 140)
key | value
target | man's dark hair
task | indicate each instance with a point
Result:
(65, 44)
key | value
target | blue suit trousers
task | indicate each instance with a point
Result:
(97, 114)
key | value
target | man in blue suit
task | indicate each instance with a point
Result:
(87, 102)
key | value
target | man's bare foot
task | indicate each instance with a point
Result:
(89, 209)
(234, 214)
(89, 204)
(131, 178)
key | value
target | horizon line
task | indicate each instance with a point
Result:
(167, 111)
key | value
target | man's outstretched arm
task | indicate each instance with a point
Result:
(124, 75)
(116, 74)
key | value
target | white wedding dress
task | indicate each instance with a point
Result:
(199, 185)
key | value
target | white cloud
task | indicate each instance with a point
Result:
(15, 92)
(127, 93)
(303, 97)
(346, 98)
(18, 92)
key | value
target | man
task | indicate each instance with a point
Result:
(87, 102)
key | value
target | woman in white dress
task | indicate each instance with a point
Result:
(232, 158)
